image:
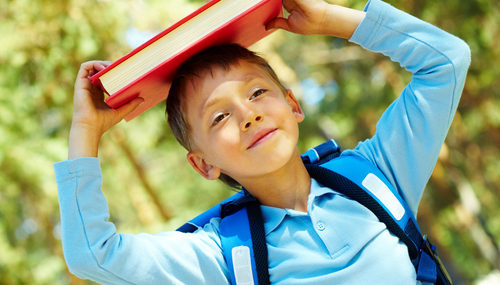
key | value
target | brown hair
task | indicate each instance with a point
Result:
(223, 56)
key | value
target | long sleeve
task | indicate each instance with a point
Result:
(412, 130)
(94, 250)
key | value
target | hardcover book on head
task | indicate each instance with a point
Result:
(147, 70)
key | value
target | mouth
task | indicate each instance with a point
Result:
(261, 136)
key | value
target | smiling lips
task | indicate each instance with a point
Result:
(261, 136)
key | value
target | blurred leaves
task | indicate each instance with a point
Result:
(148, 184)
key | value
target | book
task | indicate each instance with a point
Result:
(147, 70)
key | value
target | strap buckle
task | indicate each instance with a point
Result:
(324, 151)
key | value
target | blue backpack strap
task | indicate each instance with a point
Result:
(202, 219)
(243, 241)
(361, 181)
(247, 260)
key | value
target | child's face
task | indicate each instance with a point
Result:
(241, 123)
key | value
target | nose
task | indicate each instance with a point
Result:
(252, 119)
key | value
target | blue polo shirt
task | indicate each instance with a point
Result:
(337, 241)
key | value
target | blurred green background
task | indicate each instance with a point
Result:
(149, 186)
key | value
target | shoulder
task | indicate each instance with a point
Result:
(210, 231)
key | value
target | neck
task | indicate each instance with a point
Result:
(287, 187)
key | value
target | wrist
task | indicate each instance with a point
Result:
(341, 21)
(83, 141)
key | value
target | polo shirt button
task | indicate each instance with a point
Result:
(320, 226)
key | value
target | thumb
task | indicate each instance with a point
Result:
(129, 107)
(278, 23)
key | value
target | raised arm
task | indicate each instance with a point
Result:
(94, 250)
(410, 133)
(92, 247)
(412, 130)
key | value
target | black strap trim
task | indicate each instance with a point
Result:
(345, 186)
(187, 228)
(413, 233)
(259, 241)
(235, 205)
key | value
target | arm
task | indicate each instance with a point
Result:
(94, 250)
(92, 247)
(412, 130)
(410, 133)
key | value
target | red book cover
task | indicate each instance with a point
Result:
(244, 29)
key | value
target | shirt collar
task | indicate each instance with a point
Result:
(317, 189)
(274, 216)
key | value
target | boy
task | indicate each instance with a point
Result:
(236, 119)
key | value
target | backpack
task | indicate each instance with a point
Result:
(242, 227)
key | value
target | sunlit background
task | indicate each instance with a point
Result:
(150, 188)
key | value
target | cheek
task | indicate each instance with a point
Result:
(280, 110)
(285, 117)
(228, 137)
(222, 141)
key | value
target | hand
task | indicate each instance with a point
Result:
(318, 17)
(91, 116)
(89, 108)
(306, 16)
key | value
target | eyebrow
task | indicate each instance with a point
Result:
(208, 105)
(248, 78)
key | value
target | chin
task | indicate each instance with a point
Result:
(280, 157)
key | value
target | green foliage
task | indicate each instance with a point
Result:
(147, 182)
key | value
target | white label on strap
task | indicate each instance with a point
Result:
(384, 194)
(242, 265)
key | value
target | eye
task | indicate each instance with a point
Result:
(257, 93)
(219, 118)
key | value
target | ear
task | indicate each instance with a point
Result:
(210, 172)
(294, 104)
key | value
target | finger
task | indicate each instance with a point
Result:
(100, 65)
(289, 4)
(126, 109)
(88, 69)
(90, 66)
(278, 23)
